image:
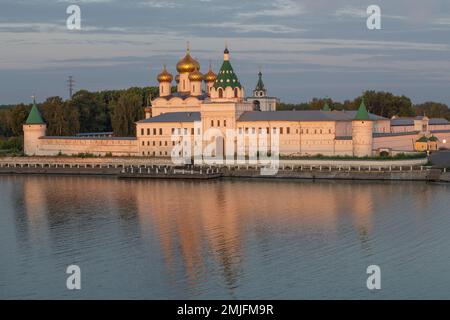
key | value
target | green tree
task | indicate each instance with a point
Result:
(433, 110)
(126, 111)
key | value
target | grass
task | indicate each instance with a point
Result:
(400, 156)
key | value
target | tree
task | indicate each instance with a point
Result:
(386, 104)
(61, 117)
(126, 111)
(433, 110)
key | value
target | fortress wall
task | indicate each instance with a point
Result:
(397, 143)
(48, 146)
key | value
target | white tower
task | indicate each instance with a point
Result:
(362, 133)
(33, 129)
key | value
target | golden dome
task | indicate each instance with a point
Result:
(210, 76)
(164, 76)
(177, 78)
(196, 76)
(187, 64)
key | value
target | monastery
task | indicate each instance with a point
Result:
(211, 111)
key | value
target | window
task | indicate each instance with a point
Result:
(268, 130)
(236, 92)
(307, 131)
(160, 132)
(281, 130)
(218, 123)
(154, 143)
(329, 130)
(253, 130)
(212, 123)
(246, 130)
(220, 93)
(143, 143)
(142, 132)
(173, 130)
(320, 131)
(240, 130)
(148, 131)
(288, 130)
(160, 143)
(154, 131)
(193, 88)
(148, 143)
(192, 131)
(224, 123)
(165, 143)
(173, 143)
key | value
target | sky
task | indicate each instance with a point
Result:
(305, 49)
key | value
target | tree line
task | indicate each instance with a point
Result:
(381, 103)
(117, 111)
(104, 111)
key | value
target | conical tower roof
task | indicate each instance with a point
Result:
(226, 76)
(362, 113)
(35, 116)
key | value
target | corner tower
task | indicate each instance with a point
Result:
(33, 129)
(362, 132)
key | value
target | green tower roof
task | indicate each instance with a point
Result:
(362, 113)
(226, 76)
(326, 107)
(34, 117)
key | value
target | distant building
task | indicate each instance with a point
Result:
(216, 104)
(260, 100)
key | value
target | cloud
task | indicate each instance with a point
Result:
(279, 8)
(239, 27)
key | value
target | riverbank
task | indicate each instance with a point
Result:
(394, 170)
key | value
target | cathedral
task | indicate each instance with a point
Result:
(209, 111)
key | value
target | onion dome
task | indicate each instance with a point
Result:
(196, 76)
(177, 78)
(164, 76)
(210, 76)
(187, 64)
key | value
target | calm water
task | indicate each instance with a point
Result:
(222, 239)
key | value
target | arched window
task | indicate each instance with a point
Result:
(220, 93)
(236, 92)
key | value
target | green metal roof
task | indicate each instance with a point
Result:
(433, 138)
(362, 113)
(226, 77)
(422, 139)
(326, 107)
(34, 117)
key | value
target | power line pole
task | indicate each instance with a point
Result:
(70, 84)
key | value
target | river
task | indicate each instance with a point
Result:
(223, 239)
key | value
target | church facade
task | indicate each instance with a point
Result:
(209, 112)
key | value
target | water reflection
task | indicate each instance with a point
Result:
(201, 238)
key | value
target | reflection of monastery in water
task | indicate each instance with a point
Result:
(206, 107)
